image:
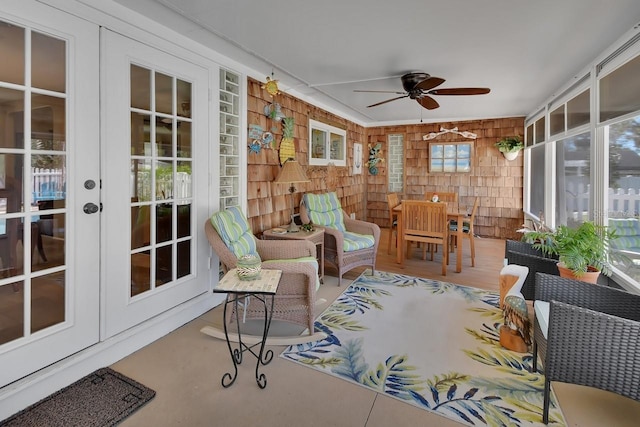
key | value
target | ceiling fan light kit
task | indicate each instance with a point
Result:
(420, 86)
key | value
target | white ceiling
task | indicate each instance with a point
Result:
(522, 50)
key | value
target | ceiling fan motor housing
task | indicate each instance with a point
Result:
(410, 80)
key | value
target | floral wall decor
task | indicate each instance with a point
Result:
(374, 158)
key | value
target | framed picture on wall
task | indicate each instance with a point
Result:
(357, 158)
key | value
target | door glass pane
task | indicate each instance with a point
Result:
(11, 310)
(47, 300)
(164, 93)
(12, 46)
(32, 219)
(161, 185)
(12, 107)
(140, 88)
(48, 59)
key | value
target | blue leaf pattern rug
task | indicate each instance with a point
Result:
(432, 344)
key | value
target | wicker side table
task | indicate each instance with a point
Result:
(316, 237)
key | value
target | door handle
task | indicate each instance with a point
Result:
(90, 208)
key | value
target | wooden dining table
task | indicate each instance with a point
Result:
(456, 215)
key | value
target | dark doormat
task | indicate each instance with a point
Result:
(103, 398)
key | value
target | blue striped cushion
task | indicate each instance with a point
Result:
(234, 231)
(355, 241)
(325, 210)
(627, 232)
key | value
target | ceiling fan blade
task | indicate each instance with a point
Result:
(429, 83)
(388, 100)
(380, 91)
(428, 102)
(460, 91)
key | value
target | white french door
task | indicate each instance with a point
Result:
(155, 181)
(49, 178)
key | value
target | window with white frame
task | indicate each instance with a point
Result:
(327, 144)
(573, 166)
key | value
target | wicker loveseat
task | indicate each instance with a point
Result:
(522, 253)
(231, 237)
(348, 243)
(586, 334)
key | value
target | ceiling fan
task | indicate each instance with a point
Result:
(420, 86)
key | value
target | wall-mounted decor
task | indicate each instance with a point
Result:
(274, 111)
(455, 130)
(357, 158)
(374, 158)
(327, 144)
(271, 86)
(509, 146)
(259, 139)
(451, 157)
(287, 148)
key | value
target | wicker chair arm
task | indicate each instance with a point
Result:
(362, 227)
(603, 352)
(285, 249)
(333, 238)
(595, 297)
(524, 248)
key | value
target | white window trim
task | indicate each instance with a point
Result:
(314, 124)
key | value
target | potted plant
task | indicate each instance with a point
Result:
(509, 146)
(582, 251)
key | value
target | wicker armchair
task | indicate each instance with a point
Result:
(295, 300)
(348, 243)
(522, 253)
(589, 336)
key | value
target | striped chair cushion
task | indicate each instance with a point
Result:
(355, 241)
(325, 210)
(234, 230)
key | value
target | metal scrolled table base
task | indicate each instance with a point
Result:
(263, 357)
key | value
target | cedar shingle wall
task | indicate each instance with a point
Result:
(498, 182)
(269, 204)
(495, 180)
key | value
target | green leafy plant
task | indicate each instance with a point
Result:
(577, 248)
(509, 144)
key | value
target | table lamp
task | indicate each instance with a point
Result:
(291, 173)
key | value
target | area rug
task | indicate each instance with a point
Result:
(103, 398)
(432, 344)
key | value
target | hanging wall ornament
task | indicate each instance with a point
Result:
(374, 158)
(271, 86)
(274, 111)
(287, 146)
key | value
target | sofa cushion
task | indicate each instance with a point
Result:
(355, 241)
(235, 232)
(325, 210)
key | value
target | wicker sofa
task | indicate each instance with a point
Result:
(522, 253)
(296, 296)
(348, 243)
(586, 334)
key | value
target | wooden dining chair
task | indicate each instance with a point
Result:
(426, 222)
(467, 231)
(450, 198)
(393, 200)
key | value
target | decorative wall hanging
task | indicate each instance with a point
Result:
(274, 111)
(259, 139)
(287, 146)
(374, 158)
(271, 86)
(453, 157)
(357, 158)
(464, 134)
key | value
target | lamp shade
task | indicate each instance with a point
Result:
(291, 172)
